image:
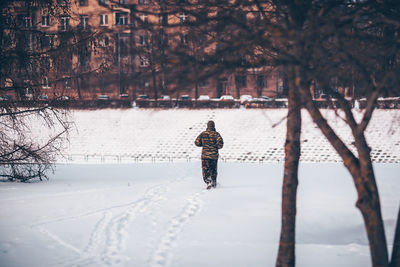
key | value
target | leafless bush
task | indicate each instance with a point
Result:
(30, 140)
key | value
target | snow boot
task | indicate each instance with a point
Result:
(209, 185)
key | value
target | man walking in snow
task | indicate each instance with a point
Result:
(211, 141)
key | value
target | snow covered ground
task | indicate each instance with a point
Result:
(159, 214)
(151, 209)
(250, 135)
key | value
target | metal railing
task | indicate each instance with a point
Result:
(124, 158)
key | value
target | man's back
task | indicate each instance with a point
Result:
(211, 141)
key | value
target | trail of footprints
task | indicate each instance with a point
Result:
(162, 255)
(107, 242)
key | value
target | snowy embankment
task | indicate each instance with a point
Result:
(159, 214)
(250, 135)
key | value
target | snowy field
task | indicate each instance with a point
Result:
(159, 214)
(250, 135)
(146, 205)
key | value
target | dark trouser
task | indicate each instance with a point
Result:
(209, 167)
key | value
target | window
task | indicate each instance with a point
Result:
(144, 82)
(163, 40)
(45, 41)
(334, 82)
(84, 60)
(84, 22)
(123, 46)
(184, 39)
(84, 82)
(63, 3)
(26, 21)
(241, 80)
(243, 60)
(45, 83)
(64, 23)
(241, 16)
(7, 42)
(45, 61)
(122, 88)
(163, 19)
(202, 38)
(183, 17)
(28, 38)
(67, 83)
(219, 47)
(28, 90)
(143, 61)
(103, 2)
(202, 60)
(83, 2)
(45, 21)
(7, 20)
(143, 17)
(103, 19)
(203, 83)
(143, 39)
(104, 41)
(260, 81)
(66, 65)
(8, 83)
(121, 18)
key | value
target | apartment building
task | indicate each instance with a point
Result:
(122, 49)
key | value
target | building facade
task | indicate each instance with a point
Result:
(122, 49)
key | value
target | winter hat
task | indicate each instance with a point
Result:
(210, 125)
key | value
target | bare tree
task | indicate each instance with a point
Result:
(335, 41)
(33, 62)
(25, 154)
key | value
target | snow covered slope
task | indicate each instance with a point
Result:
(159, 214)
(249, 135)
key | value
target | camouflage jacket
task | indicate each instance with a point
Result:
(211, 141)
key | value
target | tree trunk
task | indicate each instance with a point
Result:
(237, 87)
(395, 261)
(369, 204)
(196, 90)
(153, 72)
(78, 87)
(286, 252)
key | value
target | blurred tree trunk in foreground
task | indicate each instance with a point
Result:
(395, 260)
(286, 254)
